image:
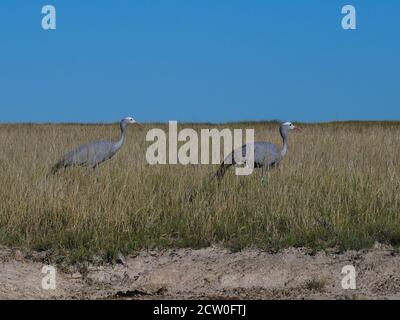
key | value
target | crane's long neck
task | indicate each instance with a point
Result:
(121, 140)
(285, 143)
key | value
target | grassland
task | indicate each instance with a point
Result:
(338, 186)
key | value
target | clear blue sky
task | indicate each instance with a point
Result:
(199, 60)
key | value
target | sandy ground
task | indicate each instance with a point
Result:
(211, 273)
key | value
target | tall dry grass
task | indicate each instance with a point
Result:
(338, 186)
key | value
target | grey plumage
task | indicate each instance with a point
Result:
(92, 154)
(266, 154)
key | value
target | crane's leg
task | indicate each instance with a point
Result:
(264, 175)
(93, 168)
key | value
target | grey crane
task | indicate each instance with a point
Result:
(266, 154)
(94, 153)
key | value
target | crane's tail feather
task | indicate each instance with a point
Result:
(58, 166)
(219, 175)
(225, 165)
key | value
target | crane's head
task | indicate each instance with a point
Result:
(129, 120)
(288, 126)
(126, 121)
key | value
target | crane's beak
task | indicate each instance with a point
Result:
(297, 129)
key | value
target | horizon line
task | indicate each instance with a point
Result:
(275, 121)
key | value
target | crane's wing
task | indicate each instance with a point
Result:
(90, 154)
(265, 154)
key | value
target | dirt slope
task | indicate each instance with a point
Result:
(211, 273)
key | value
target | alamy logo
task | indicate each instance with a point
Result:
(49, 280)
(49, 20)
(349, 20)
(349, 280)
(197, 150)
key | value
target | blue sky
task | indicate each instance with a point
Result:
(199, 60)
